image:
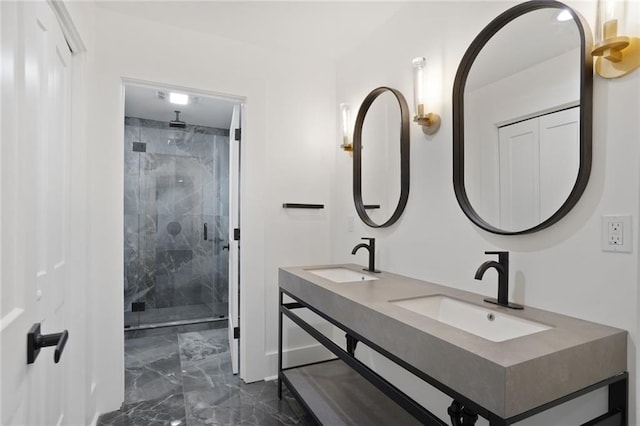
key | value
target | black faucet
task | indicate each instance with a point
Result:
(371, 248)
(502, 266)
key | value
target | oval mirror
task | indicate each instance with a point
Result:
(522, 119)
(381, 157)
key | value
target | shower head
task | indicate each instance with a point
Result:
(177, 122)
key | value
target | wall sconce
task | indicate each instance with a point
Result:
(618, 55)
(430, 122)
(345, 116)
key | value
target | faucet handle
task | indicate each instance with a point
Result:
(496, 252)
(368, 239)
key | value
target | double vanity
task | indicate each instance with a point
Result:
(502, 364)
(522, 154)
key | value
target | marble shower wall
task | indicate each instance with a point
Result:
(175, 182)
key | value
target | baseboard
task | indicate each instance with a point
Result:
(296, 356)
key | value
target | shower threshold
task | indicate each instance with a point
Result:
(151, 326)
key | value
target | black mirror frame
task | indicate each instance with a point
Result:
(404, 157)
(586, 113)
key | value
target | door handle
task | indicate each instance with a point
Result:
(35, 341)
(206, 233)
(226, 247)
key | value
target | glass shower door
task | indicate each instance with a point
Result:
(177, 272)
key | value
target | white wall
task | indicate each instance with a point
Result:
(562, 268)
(286, 157)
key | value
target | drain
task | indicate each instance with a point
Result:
(491, 317)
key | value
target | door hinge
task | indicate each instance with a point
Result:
(138, 306)
(238, 134)
(236, 332)
(236, 234)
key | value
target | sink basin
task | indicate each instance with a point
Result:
(483, 322)
(341, 275)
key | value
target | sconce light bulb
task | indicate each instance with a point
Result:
(418, 83)
(346, 127)
(344, 113)
(430, 122)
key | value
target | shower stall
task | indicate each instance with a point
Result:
(176, 223)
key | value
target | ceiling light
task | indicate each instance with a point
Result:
(178, 98)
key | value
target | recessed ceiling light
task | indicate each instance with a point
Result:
(178, 98)
(564, 16)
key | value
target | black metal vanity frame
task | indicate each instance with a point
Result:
(618, 405)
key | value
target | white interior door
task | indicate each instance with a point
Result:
(519, 175)
(234, 246)
(36, 101)
(559, 158)
(539, 161)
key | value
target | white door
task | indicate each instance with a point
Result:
(35, 113)
(234, 246)
(519, 180)
(539, 161)
(559, 158)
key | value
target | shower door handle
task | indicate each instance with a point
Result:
(205, 232)
(226, 247)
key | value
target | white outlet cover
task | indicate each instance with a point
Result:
(627, 236)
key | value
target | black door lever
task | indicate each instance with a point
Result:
(35, 341)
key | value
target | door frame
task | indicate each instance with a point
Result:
(240, 100)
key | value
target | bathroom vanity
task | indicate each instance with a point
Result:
(498, 363)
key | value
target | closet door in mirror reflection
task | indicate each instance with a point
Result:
(538, 165)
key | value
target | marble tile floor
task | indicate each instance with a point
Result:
(181, 379)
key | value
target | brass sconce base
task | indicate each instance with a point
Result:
(617, 55)
(430, 123)
(620, 62)
(347, 147)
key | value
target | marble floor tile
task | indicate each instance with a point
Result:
(152, 368)
(237, 403)
(167, 411)
(199, 345)
(185, 379)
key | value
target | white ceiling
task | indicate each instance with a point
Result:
(143, 102)
(327, 29)
(322, 28)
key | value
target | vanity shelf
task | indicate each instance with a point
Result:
(336, 395)
(322, 399)
(327, 390)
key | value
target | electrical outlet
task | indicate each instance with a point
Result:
(616, 233)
